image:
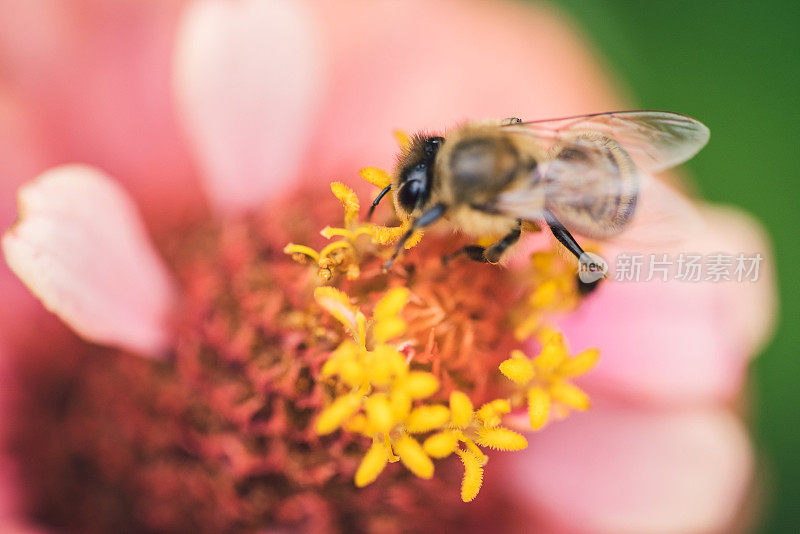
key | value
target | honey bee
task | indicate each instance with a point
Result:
(579, 174)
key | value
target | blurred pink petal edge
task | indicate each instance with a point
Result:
(247, 78)
(94, 77)
(81, 248)
(623, 470)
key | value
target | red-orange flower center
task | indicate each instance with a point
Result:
(223, 436)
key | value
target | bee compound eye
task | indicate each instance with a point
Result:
(409, 194)
(432, 145)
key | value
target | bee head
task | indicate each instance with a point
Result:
(414, 177)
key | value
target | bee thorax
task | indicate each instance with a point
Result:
(481, 167)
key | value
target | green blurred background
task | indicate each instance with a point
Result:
(736, 67)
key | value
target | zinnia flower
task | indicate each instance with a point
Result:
(210, 389)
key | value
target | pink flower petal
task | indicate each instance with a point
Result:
(679, 342)
(11, 521)
(247, 77)
(81, 248)
(98, 76)
(753, 305)
(621, 471)
(22, 155)
(21, 158)
(658, 342)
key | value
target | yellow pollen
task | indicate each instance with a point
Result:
(377, 177)
(413, 456)
(546, 378)
(460, 409)
(372, 464)
(473, 475)
(376, 394)
(382, 383)
(501, 439)
(402, 138)
(427, 418)
(342, 256)
(553, 290)
(441, 444)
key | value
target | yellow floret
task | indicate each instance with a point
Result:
(391, 303)
(492, 412)
(337, 413)
(547, 377)
(427, 418)
(402, 138)
(518, 368)
(580, 364)
(338, 304)
(351, 372)
(389, 328)
(386, 235)
(293, 249)
(570, 395)
(358, 425)
(441, 444)
(501, 439)
(419, 384)
(379, 412)
(400, 403)
(460, 409)
(348, 199)
(473, 475)
(372, 464)
(379, 365)
(553, 354)
(538, 407)
(545, 295)
(413, 456)
(375, 176)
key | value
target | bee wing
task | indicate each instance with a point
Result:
(596, 166)
(655, 140)
(588, 181)
(651, 212)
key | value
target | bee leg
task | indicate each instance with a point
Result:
(496, 250)
(491, 254)
(378, 200)
(566, 239)
(473, 252)
(426, 219)
(561, 233)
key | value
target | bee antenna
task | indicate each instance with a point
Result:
(377, 201)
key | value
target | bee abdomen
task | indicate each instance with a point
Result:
(600, 201)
